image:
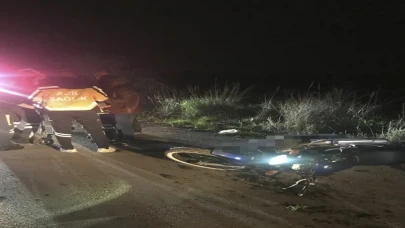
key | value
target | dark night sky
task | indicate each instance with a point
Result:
(263, 42)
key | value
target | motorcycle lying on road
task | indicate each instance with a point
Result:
(311, 160)
(325, 157)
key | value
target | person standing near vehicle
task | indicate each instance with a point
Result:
(10, 98)
(8, 101)
(63, 105)
(6, 128)
(124, 100)
(26, 120)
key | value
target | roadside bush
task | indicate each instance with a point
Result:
(166, 103)
(202, 110)
(334, 112)
(394, 131)
(221, 102)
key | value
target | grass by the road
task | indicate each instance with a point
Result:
(336, 111)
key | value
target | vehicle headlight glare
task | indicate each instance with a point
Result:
(278, 160)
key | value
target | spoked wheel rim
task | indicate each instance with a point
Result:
(202, 159)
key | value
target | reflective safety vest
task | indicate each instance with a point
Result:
(54, 98)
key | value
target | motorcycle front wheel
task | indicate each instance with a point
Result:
(202, 158)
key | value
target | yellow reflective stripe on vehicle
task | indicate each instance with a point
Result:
(90, 107)
(9, 120)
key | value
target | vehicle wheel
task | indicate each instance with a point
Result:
(202, 158)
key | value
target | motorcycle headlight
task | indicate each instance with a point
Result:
(278, 160)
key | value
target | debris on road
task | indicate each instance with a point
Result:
(296, 207)
(271, 172)
(230, 131)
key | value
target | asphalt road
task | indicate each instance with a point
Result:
(41, 187)
(138, 187)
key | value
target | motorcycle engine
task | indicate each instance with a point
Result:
(317, 159)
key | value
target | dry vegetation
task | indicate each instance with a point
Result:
(336, 111)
